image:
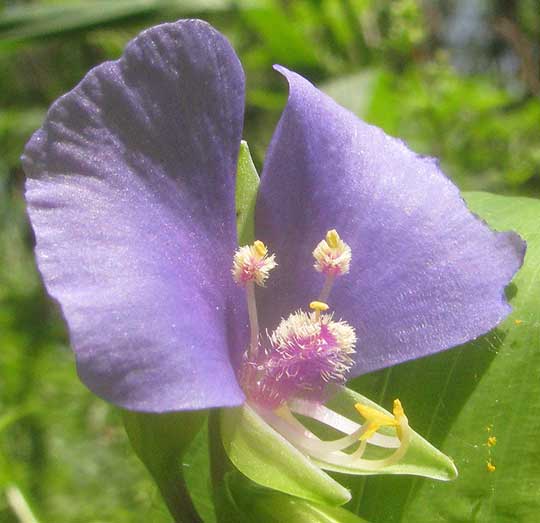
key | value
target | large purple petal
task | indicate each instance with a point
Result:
(131, 196)
(426, 274)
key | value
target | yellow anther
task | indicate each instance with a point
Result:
(260, 248)
(398, 410)
(490, 466)
(491, 441)
(375, 420)
(332, 255)
(374, 415)
(332, 239)
(318, 306)
(251, 263)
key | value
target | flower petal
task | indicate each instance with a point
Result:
(426, 274)
(131, 196)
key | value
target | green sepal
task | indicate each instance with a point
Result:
(421, 458)
(267, 458)
(254, 503)
(247, 185)
(160, 441)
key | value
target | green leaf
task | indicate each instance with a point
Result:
(268, 459)
(160, 441)
(421, 459)
(354, 91)
(453, 397)
(197, 475)
(247, 184)
(22, 23)
(283, 38)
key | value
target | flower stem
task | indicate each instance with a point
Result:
(19, 505)
(177, 498)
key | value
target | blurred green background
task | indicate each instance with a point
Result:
(458, 79)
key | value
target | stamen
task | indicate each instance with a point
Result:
(374, 418)
(338, 422)
(332, 452)
(251, 263)
(377, 419)
(332, 257)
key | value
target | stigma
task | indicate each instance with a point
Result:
(332, 255)
(252, 263)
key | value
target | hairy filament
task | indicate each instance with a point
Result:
(327, 287)
(253, 318)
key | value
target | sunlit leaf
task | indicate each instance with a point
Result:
(21, 23)
(355, 91)
(283, 37)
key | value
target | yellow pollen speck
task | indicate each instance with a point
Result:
(491, 441)
(490, 467)
(332, 239)
(318, 306)
(260, 248)
(518, 322)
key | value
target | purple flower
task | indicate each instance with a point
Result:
(130, 191)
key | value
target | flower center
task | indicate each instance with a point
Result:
(306, 351)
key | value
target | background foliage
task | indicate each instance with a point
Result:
(456, 79)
